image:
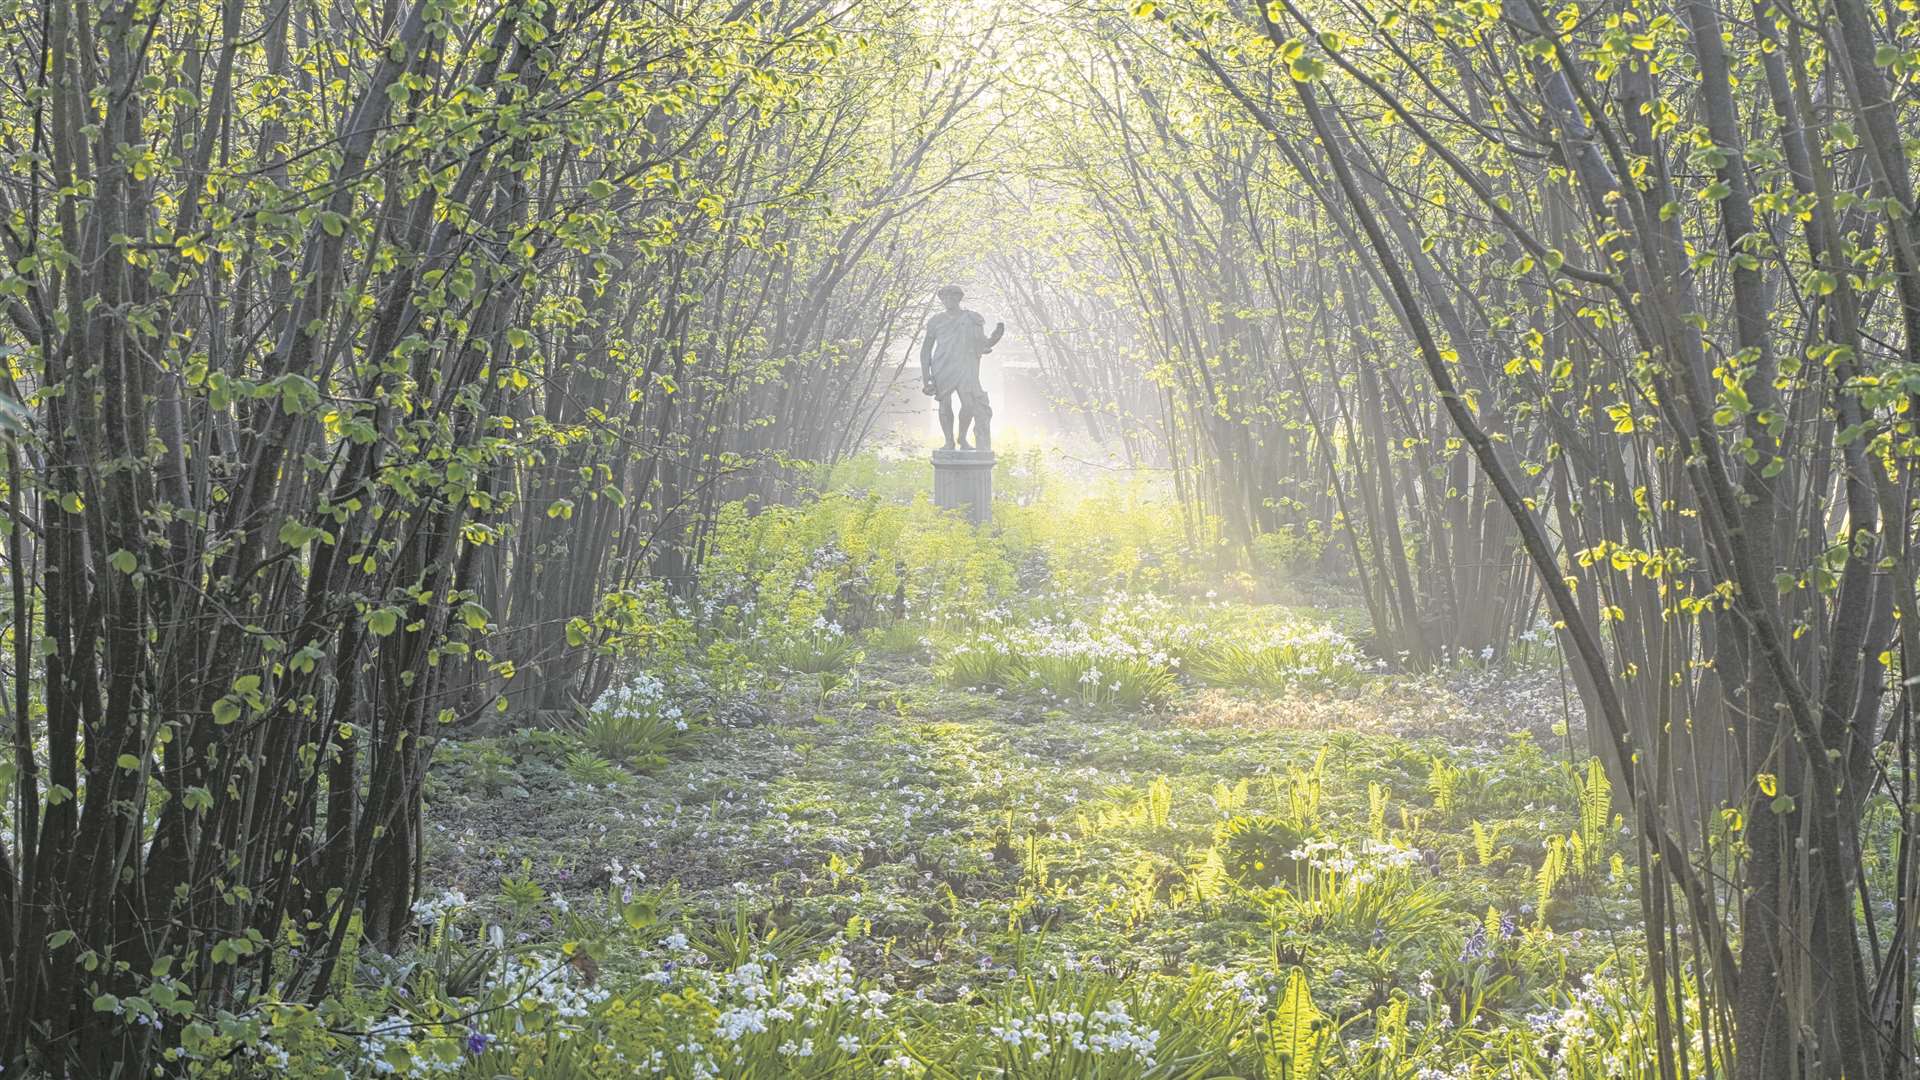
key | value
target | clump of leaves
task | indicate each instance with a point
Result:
(1261, 851)
(1284, 660)
(825, 650)
(587, 767)
(635, 722)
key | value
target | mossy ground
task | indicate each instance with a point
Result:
(946, 838)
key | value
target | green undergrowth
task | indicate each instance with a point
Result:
(934, 880)
(897, 797)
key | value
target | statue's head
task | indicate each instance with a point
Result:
(951, 295)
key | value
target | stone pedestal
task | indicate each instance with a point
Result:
(963, 480)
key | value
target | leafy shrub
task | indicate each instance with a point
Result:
(850, 561)
(1291, 550)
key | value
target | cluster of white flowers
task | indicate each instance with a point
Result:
(645, 695)
(1590, 1021)
(1249, 988)
(1302, 653)
(1109, 1029)
(1359, 864)
(388, 1046)
(429, 910)
(758, 998)
(1462, 1071)
(1110, 653)
(547, 985)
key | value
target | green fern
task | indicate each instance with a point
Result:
(1553, 870)
(1443, 783)
(1303, 788)
(1596, 807)
(1377, 811)
(1230, 800)
(1486, 844)
(1299, 1032)
(1259, 851)
(1159, 802)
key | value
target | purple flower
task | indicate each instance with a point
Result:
(1476, 946)
(479, 1042)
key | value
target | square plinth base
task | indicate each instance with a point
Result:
(963, 480)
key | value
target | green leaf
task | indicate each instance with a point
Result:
(333, 223)
(1297, 1028)
(383, 621)
(226, 710)
(474, 616)
(124, 561)
(1306, 69)
(295, 535)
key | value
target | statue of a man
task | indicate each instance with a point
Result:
(950, 364)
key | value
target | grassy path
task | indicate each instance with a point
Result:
(945, 836)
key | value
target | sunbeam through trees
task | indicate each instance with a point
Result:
(844, 538)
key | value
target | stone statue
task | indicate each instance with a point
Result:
(955, 341)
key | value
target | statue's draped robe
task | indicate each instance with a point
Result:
(959, 338)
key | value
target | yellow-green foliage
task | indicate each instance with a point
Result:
(841, 558)
(1260, 851)
(1280, 660)
(1443, 783)
(1486, 844)
(1596, 807)
(1301, 789)
(1298, 1033)
(1229, 800)
(1159, 803)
